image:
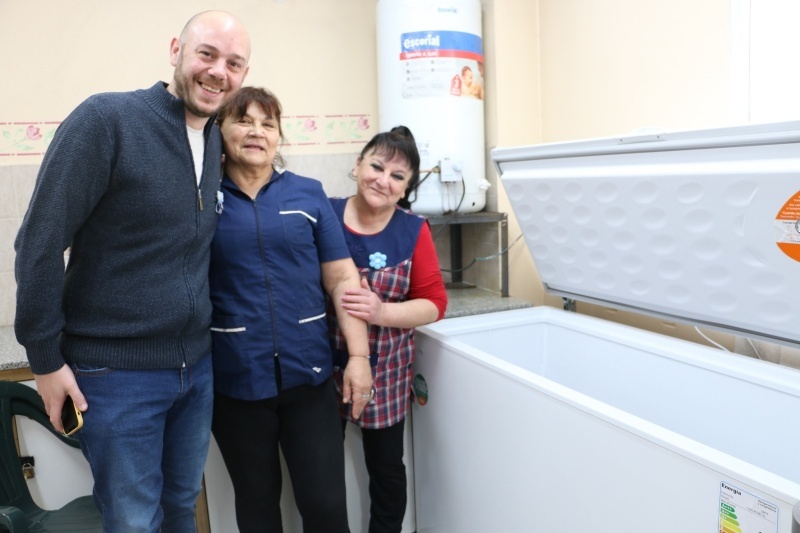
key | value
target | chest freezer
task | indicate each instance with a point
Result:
(544, 420)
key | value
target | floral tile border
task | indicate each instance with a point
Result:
(26, 138)
(32, 138)
(302, 130)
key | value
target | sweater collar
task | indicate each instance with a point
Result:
(169, 107)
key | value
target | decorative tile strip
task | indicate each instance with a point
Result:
(32, 138)
(26, 138)
(304, 130)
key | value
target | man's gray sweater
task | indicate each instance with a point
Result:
(118, 186)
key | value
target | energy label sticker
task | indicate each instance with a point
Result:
(742, 512)
(420, 390)
(787, 227)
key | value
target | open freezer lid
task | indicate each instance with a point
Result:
(698, 226)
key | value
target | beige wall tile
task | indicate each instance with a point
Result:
(330, 169)
(6, 172)
(477, 241)
(19, 181)
(442, 243)
(23, 182)
(481, 241)
(8, 232)
(8, 298)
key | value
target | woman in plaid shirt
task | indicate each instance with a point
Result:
(401, 288)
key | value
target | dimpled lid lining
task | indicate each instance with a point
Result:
(695, 226)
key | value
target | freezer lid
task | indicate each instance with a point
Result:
(697, 226)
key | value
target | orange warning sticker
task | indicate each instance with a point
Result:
(787, 225)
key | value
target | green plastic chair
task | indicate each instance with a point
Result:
(18, 512)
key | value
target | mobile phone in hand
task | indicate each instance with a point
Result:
(71, 417)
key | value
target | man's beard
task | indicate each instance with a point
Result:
(183, 89)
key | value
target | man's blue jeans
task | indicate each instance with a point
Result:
(146, 436)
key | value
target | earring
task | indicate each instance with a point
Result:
(352, 174)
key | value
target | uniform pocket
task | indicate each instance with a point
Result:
(227, 324)
(298, 227)
(229, 338)
(313, 336)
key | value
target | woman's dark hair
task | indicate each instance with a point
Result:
(237, 106)
(398, 140)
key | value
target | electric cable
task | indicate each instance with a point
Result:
(455, 211)
(721, 347)
(486, 258)
(753, 346)
(450, 218)
(420, 182)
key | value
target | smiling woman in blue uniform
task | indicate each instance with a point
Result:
(278, 245)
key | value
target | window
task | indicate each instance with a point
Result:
(765, 53)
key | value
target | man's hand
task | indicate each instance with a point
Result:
(54, 388)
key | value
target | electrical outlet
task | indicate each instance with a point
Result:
(27, 463)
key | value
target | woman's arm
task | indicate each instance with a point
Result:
(366, 305)
(427, 296)
(337, 277)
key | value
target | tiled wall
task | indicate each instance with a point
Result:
(480, 263)
(330, 169)
(19, 181)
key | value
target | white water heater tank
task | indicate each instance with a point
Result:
(431, 79)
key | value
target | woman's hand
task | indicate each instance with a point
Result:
(357, 389)
(339, 277)
(363, 303)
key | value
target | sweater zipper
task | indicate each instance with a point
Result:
(192, 302)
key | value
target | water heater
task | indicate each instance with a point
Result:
(431, 79)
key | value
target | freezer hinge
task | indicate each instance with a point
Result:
(643, 135)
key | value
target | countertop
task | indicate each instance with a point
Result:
(475, 301)
(462, 302)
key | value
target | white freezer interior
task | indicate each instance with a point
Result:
(548, 421)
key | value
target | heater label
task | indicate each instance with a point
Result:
(787, 227)
(742, 512)
(441, 63)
